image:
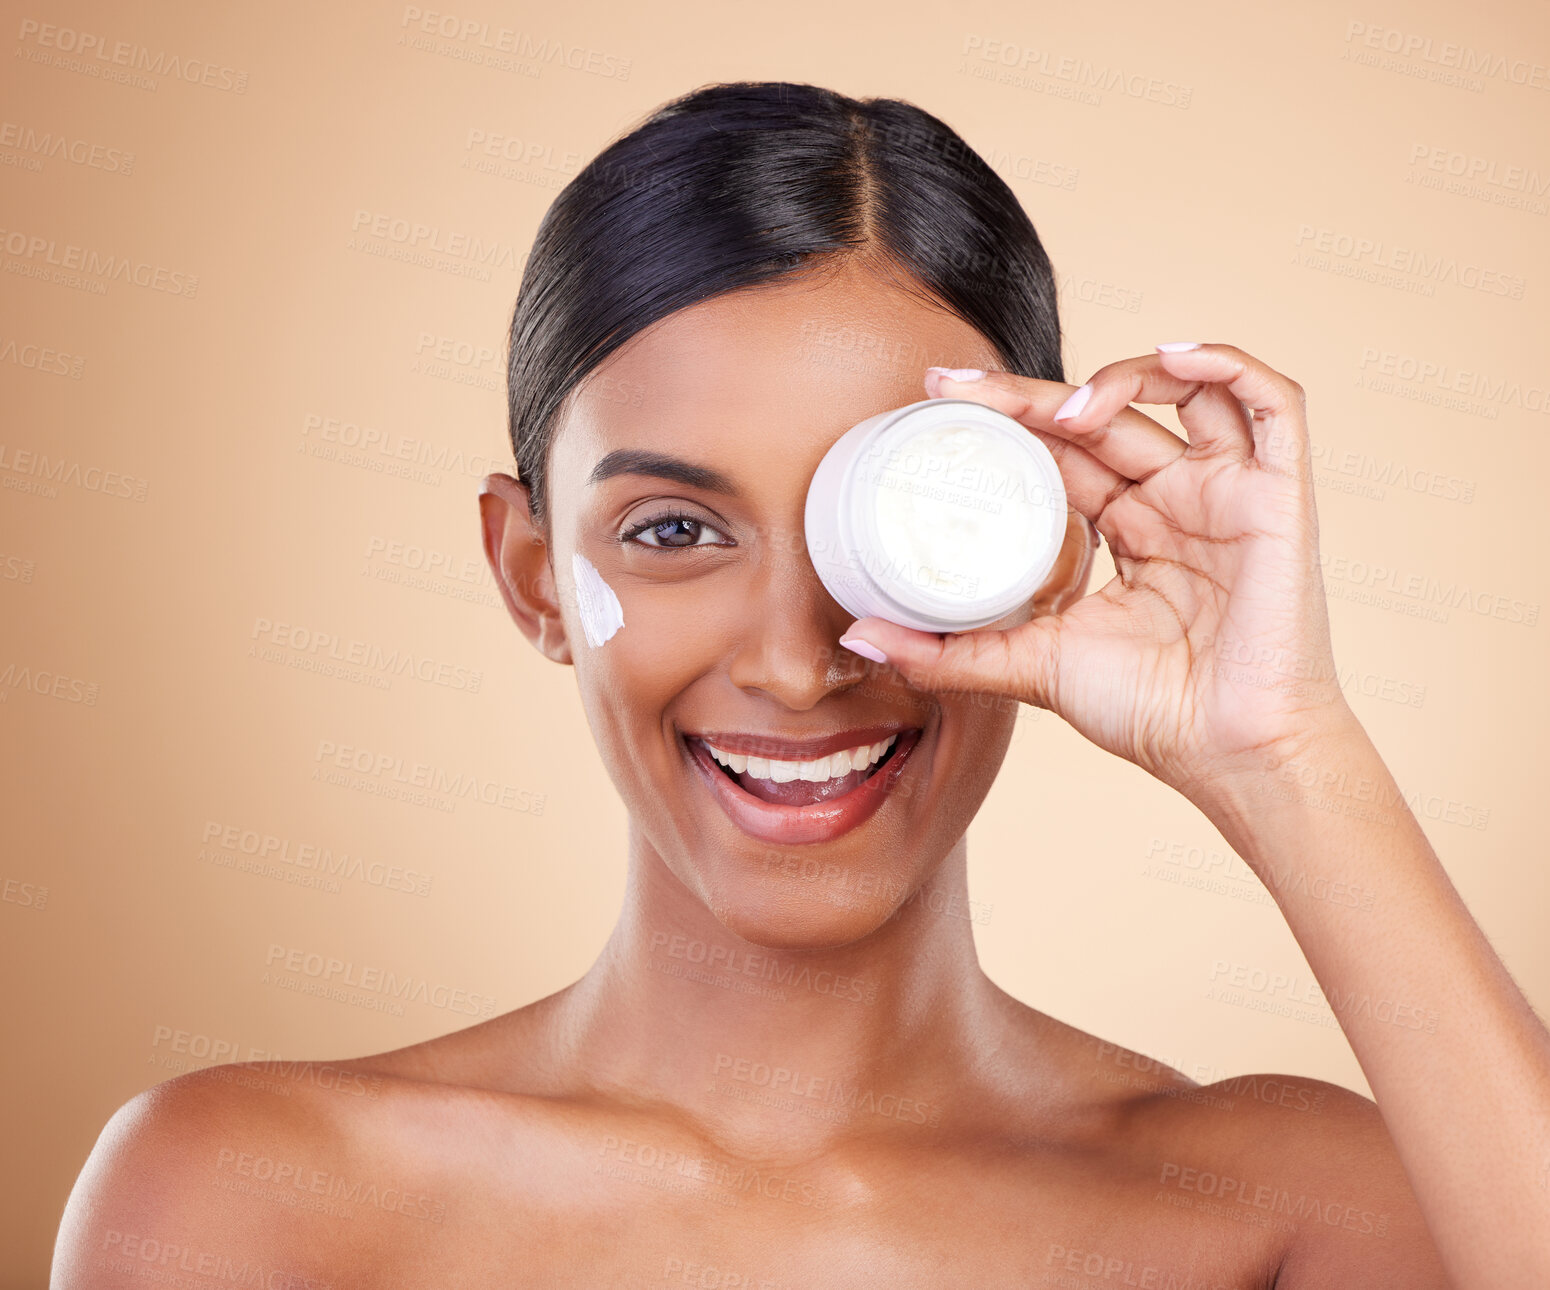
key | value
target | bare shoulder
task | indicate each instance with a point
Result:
(1315, 1162)
(164, 1187)
(248, 1170)
(1300, 1168)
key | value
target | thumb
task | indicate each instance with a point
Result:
(1018, 662)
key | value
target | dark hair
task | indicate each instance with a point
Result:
(736, 184)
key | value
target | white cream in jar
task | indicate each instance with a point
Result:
(944, 516)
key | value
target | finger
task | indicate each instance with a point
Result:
(1217, 422)
(1214, 420)
(1276, 404)
(1089, 484)
(1128, 442)
(1019, 666)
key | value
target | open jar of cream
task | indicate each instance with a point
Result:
(943, 516)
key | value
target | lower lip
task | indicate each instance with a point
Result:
(793, 825)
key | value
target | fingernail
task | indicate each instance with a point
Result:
(1179, 346)
(1075, 403)
(864, 648)
(958, 373)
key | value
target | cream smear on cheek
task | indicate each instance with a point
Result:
(601, 613)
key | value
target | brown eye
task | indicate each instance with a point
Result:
(675, 531)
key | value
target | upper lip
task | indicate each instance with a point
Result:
(763, 745)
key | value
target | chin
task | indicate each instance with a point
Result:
(793, 913)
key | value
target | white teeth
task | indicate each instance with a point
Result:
(814, 772)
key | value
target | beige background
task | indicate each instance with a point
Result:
(1183, 167)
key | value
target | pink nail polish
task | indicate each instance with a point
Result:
(958, 373)
(1075, 403)
(864, 648)
(1179, 346)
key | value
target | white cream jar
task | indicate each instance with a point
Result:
(944, 516)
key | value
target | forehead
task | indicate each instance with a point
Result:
(763, 379)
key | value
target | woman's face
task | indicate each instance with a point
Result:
(729, 637)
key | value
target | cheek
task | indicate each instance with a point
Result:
(993, 717)
(642, 680)
(597, 606)
(643, 642)
(986, 723)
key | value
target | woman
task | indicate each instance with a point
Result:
(770, 1081)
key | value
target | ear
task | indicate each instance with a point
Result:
(519, 559)
(1067, 581)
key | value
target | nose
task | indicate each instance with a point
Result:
(788, 649)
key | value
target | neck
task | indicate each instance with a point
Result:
(776, 1049)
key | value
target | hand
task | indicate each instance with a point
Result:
(1208, 653)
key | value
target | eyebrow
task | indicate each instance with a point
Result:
(636, 461)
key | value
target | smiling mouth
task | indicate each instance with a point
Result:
(801, 783)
